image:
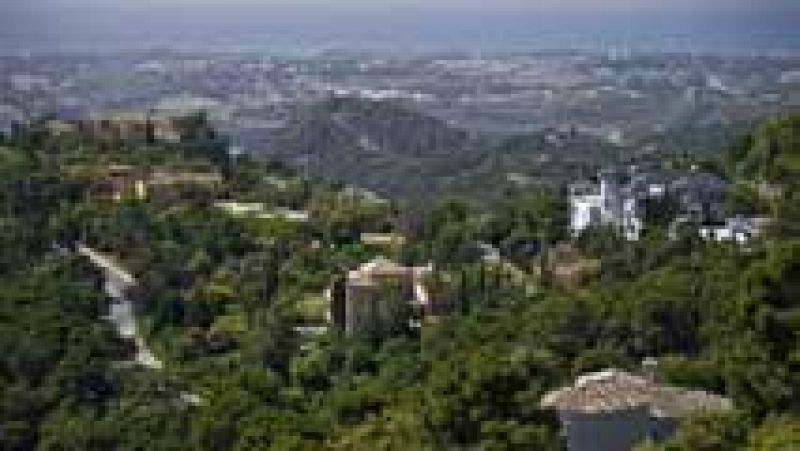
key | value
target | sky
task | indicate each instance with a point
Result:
(420, 6)
(60, 23)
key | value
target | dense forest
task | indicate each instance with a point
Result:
(220, 298)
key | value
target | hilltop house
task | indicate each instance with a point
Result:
(383, 240)
(258, 210)
(120, 181)
(131, 126)
(613, 410)
(621, 197)
(125, 181)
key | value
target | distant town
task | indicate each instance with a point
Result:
(646, 102)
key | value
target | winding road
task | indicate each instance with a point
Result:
(121, 313)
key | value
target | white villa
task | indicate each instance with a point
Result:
(739, 229)
(607, 204)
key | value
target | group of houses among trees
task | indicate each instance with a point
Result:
(629, 199)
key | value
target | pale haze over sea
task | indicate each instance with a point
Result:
(727, 26)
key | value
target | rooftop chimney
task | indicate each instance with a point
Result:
(650, 369)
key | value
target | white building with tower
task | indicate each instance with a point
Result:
(609, 203)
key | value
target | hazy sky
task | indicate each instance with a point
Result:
(420, 5)
(455, 21)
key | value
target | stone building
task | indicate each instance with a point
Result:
(131, 127)
(378, 296)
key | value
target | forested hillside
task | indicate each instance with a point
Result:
(398, 151)
(220, 299)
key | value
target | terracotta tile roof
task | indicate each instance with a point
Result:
(613, 390)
